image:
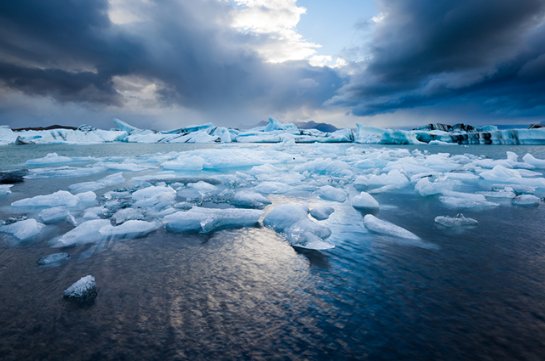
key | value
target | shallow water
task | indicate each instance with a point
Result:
(247, 294)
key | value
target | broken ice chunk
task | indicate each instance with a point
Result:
(380, 226)
(60, 198)
(462, 200)
(126, 214)
(526, 200)
(5, 189)
(365, 202)
(23, 230)
(332, 194)
(49, 159)
(157, 197)
(86, 232)
(53, 215)
(249, 199)
(107, 181)
(82, 291)
(530, 159)
(128, 230)
(291, 220)
(321, 213)
(206, 220)
(458, 221)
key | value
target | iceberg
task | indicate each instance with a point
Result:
(23, 230)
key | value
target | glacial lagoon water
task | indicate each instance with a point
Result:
(234, 294)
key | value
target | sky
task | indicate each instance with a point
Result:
(169, 63)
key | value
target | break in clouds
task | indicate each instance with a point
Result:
(165, 63)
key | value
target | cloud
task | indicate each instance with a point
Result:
(428, 53)
(170, 55)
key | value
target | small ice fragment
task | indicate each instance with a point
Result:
(249, 199)
(321, 213)
(365, 202)
(332, 194)
(526, 200)
(54, 259)
(83, 290)
(23, 230)
(458, 221)
(376, 225)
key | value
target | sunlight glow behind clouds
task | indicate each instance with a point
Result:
(274, 22)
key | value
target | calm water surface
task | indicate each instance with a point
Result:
(247, 294)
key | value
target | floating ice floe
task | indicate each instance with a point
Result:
(332, 194)
(23, 230)
(291, 220)
(54, 215)
(249, 199)
(402, 236)
(207, 220)
(458, 221)
(98, 230)
(380, 226)
(322, 212)
(461, 200)
(365, 202)
(526, 200)
(108, 181)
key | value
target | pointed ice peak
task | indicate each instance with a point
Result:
(274, 124)
(121, 125)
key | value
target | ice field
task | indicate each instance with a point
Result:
(282, 233)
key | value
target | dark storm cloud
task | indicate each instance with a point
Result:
(427, 52)
(70, 50)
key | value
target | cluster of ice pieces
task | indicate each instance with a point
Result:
(302, 193)
(272, 132)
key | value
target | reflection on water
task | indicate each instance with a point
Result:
(247, 294)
